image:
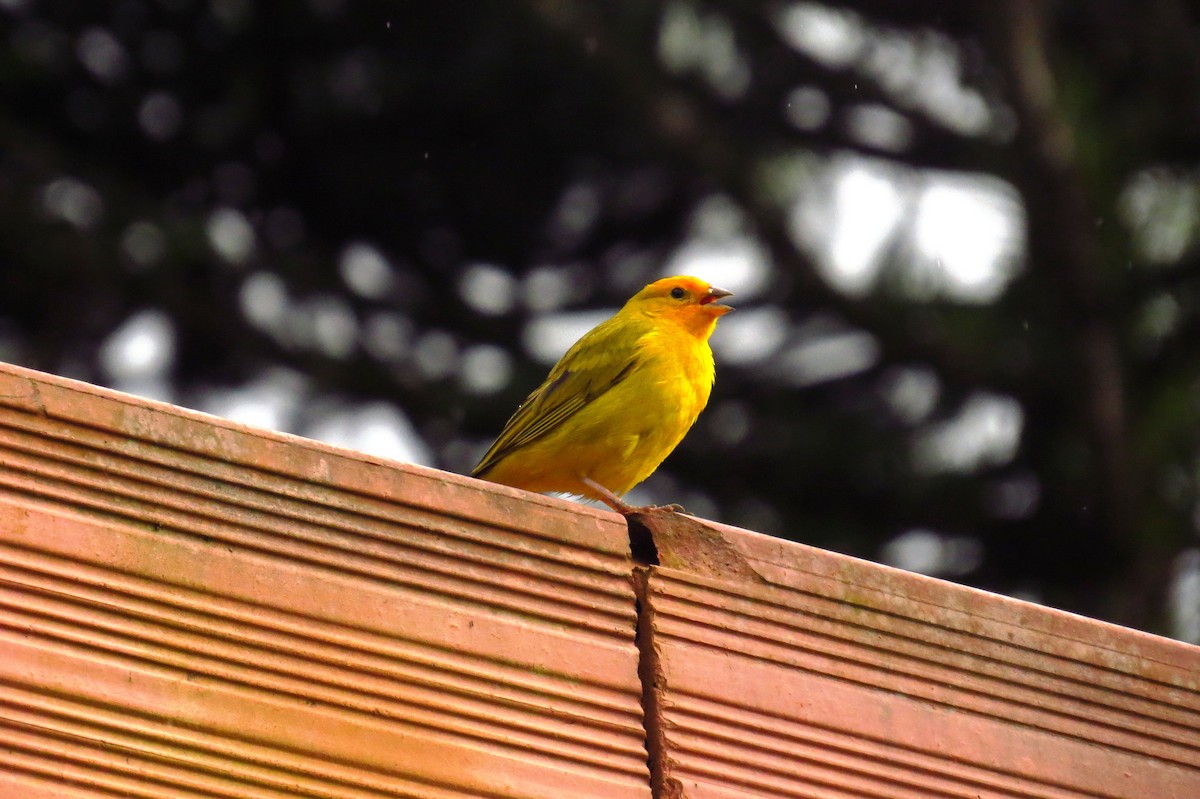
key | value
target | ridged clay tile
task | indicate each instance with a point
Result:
(194, 608)
(779, 670)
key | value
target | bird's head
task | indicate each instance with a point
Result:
(689, 301)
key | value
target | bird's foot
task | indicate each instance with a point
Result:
(674, 507)
(624, 508)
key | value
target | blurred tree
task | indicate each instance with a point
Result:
(963, 236)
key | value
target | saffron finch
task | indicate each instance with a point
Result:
(618, 402)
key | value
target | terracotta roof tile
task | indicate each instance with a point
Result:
(815, 674)
(189, 607)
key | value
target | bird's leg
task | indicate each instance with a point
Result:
(621, 506)
(609, 498)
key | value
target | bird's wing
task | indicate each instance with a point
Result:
(597, 362)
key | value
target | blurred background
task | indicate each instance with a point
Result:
(962, 237)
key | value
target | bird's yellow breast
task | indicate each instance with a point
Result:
(657, 405)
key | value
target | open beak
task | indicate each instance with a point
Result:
(712, 296)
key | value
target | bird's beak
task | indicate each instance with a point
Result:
(712, 296)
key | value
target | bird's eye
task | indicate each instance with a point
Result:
(678, 293)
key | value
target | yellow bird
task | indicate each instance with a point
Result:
(618, 402)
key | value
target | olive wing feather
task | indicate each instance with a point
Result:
(595, 364)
